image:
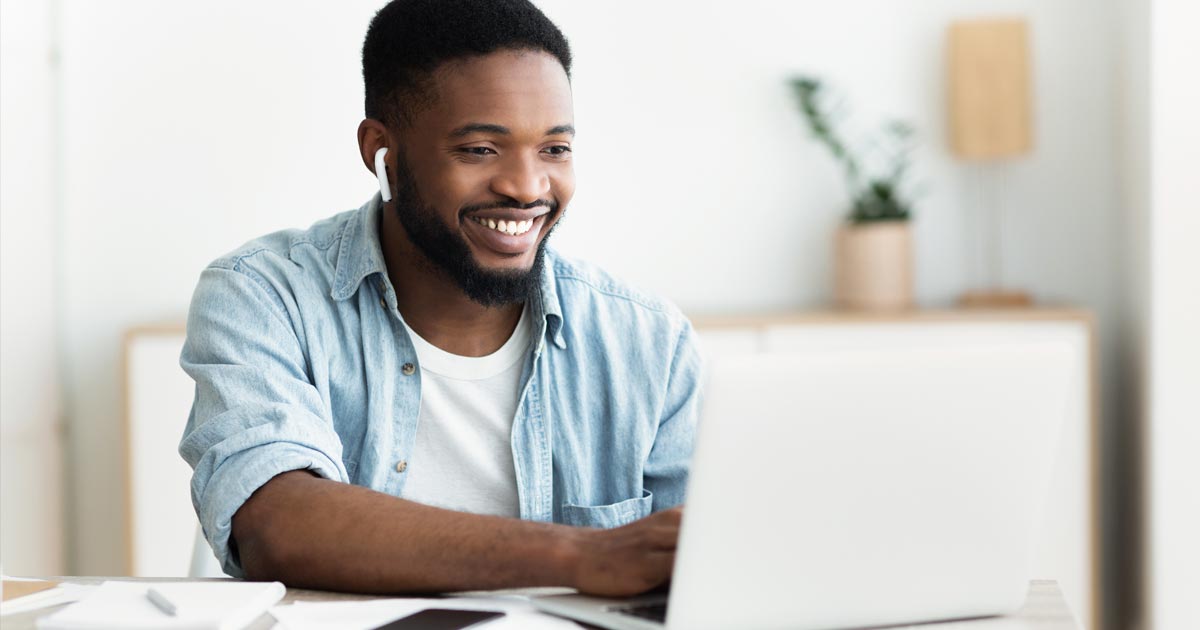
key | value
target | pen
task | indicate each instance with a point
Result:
(160, 602)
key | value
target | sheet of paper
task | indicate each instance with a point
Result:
(215, 605)
(519, 613)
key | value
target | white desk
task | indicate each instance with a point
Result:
(1044, 609)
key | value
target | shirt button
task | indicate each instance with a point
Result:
(408, 369)
(401, 466)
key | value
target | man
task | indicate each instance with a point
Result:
(418, 395)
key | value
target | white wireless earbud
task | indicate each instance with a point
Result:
(381, 173)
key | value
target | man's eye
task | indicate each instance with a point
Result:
(558, 149)
(478, 151)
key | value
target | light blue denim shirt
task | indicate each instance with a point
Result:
(302, 361)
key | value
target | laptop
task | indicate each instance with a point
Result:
(849, 489)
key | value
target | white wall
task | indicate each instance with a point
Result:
(1161, 345)
(200, 125)
(31, 484)
(1174, 391)
(188, 131)
(1128, 537)
(690, 137)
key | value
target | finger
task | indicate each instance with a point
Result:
(668, 557)
(671, 515)
(676, 514)
(663, 537)
(661, 564)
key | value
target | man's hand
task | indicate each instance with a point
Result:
(629, 560)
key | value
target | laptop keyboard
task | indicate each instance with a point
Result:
(656, 611)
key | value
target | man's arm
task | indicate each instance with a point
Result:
(315, 533)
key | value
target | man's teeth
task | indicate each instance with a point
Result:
(511, 228)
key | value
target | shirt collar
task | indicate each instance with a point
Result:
(551, 308)
(361, 254)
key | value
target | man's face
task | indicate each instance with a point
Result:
(487, 171)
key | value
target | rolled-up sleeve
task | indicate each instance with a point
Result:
(256, 412)
(666, 470)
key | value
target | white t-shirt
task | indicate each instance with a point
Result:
(463, 459)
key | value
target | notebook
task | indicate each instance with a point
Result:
(12, 589)
(215, 605)
(22, 595)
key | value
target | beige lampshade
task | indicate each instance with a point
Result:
(989, 89)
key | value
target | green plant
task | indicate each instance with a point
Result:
(875, 197)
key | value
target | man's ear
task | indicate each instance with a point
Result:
(373, 136)
(373, 145)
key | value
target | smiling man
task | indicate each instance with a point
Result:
(418, 395)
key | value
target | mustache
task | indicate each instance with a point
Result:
(510, 204)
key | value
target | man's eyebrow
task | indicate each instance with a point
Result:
(471, 128)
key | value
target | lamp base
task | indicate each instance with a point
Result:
(995, 298)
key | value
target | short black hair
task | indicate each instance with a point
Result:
(409, 39)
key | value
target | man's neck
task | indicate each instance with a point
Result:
(434, 306)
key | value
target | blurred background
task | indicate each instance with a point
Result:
(143, 138)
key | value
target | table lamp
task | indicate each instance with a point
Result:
(990, 126)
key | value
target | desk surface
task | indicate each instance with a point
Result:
(1044, 609)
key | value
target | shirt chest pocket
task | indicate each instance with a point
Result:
(608, 516)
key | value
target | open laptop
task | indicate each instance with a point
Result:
(849, 489)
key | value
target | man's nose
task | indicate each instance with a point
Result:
(522, 178)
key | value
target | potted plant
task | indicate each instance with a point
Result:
(873, 246)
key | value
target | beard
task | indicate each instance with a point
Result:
(448, 253)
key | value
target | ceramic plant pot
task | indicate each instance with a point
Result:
(873, 266)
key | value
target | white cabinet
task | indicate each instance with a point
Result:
(158, 396)
(1066, 548)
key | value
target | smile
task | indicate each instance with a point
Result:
(512, 228)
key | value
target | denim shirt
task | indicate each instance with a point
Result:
(301, 361)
